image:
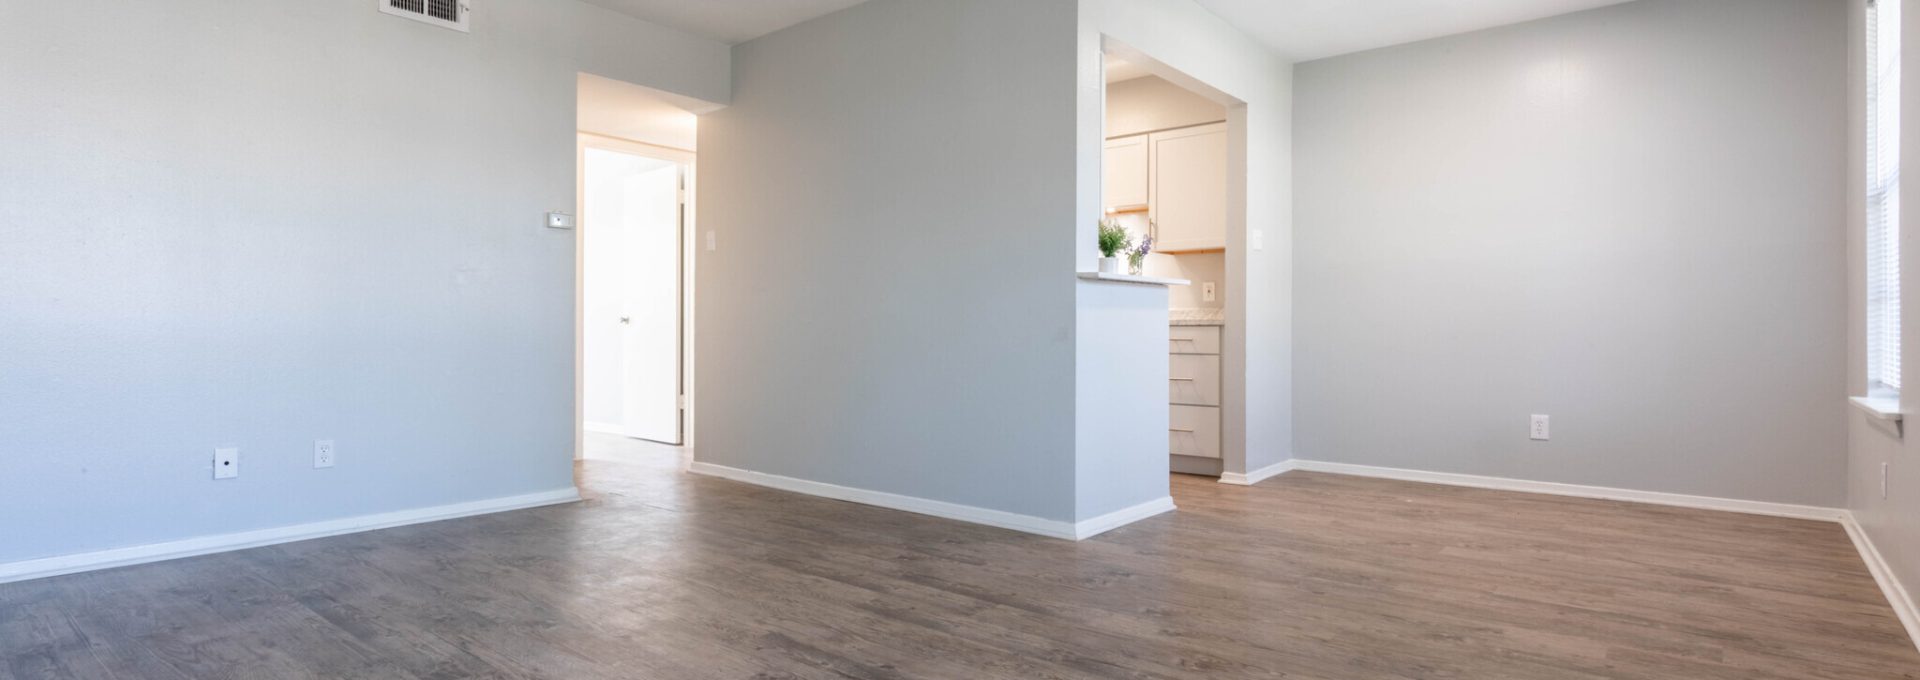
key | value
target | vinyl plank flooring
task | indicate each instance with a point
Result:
(1305, 576)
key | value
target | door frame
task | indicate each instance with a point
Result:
(687, 160)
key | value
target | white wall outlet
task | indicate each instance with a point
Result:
(322, 453)
(713, 241)
(1539, 430)
(1206, 291)
(226, 463)
(560, 220)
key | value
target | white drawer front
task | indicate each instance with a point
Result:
(1194, 340)
(1194, 431)
(1193, 379)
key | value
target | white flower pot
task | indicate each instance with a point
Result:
(1109, 265)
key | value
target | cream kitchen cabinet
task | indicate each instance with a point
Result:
(1193, 392)
(1187, 188)
(1126, 173)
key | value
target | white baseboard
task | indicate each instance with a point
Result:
(157, 552)
(1052, 528)
(965, 513)
(1122, 517)
(604, 428)
(1903, 605)
(1256, 476)
(1580, 491)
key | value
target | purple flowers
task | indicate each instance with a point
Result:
(1146, 246)
(1137, 255)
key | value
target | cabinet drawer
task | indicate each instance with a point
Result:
(1194, 340)
(1194, 431)
(1194, 379)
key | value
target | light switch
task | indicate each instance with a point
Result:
(559, 220)
(1257, 240)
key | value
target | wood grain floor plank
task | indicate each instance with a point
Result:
(1306, 576)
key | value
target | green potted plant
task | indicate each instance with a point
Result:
(1113, 239)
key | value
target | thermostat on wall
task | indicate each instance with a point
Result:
(559, 220)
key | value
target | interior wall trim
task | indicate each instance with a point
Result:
(1256, 476)
(1903, 605)
(205, 545)
(1579, 491)
(1053, 528)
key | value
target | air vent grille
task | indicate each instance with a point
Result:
(444, 13)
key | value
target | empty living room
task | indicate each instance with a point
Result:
(957, 339)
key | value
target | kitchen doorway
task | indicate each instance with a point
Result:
(1173, 178)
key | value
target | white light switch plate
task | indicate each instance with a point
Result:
(226, 463)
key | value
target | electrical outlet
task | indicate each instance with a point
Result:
(1206, 291)
(226, 463)
(1539, 429)
(713, 241)
(322, 453)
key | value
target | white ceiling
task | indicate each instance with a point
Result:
(1303, 30)
(1121, 70)
(728, 21)
(1299, 30)
(615, 109)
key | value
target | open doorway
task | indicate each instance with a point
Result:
(636, 154)
(1167, 180)
(633, 298)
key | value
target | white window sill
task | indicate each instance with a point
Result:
(1883, 408)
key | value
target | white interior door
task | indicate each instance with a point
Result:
(634, 212)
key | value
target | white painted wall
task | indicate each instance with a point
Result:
(891, 305)
(1121, 415)
(1628, 219)
(258, 224)
(1257, 370)
(1891, 521)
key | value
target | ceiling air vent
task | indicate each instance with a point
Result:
(443, 13)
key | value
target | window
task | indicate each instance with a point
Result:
(1883, 195)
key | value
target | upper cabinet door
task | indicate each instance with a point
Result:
(1188, 191)
(1126, 173)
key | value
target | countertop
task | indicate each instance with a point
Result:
(1197, 317)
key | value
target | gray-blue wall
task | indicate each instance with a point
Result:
(257, 224)
(1629, 219)
(891, 306)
